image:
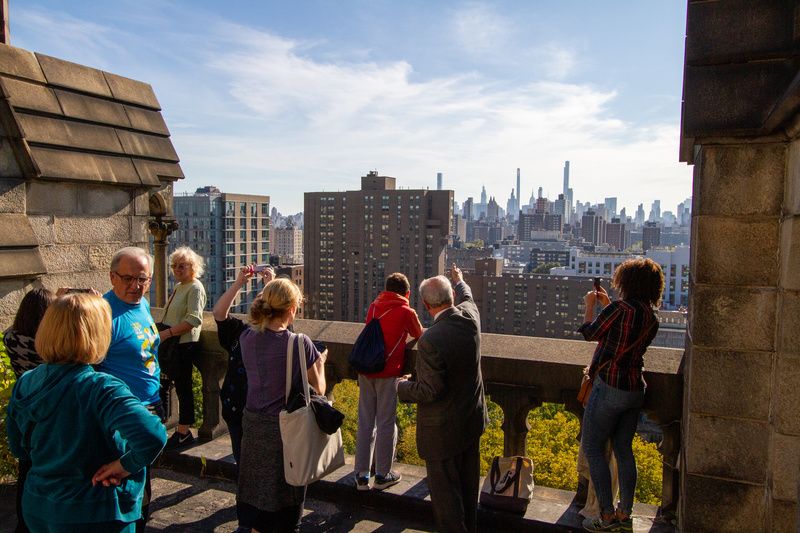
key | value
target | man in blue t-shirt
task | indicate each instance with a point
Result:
(133, 354)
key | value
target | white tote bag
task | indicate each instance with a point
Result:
(309, 454)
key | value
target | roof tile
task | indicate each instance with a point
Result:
(73, 76)
(19, 62)
(135, 92)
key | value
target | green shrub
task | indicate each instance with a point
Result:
(552, 443)
(8, 463)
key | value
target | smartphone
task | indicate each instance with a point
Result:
(597, 284)
(320, 346)
(258, 269)
(72, 290)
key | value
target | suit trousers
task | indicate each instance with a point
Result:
(453, 483)
(376, 438)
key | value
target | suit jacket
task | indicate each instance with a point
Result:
(448, 385)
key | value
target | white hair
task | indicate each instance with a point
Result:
(131, 251)
(436, 291)
(195, 259)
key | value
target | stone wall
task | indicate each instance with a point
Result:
(741, 419)
(78, 228)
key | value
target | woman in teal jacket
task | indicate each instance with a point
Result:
(87, 437)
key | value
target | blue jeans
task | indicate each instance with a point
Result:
(611, 414)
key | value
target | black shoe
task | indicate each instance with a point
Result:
(179, 440)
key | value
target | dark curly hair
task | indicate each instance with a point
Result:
(639, 279)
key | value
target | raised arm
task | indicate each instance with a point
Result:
(223, 305)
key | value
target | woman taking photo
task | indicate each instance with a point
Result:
(264, 500)
(83, 431)
(183, 319)
(624, 329)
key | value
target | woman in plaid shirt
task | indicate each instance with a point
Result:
(624, 329)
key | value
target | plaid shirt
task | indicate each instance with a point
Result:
(619, 324)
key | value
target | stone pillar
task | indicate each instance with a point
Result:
(741, 429)
(161, 228)
(516, 402)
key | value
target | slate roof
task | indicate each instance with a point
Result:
(70, 122)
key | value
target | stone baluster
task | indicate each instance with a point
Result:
(516, 402)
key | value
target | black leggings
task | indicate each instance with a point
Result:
(285, 520)
(178, 369)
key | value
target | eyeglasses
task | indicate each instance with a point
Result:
(130, 280)
(178, 266)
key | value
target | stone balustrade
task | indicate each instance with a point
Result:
(520, 373)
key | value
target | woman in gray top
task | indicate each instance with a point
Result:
(184, 318)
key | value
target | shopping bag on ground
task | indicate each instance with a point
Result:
(509, 484)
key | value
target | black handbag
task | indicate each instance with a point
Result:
(329, 419)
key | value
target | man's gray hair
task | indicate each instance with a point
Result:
(436, 291)
(130, 251)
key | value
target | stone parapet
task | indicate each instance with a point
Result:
(520, 373)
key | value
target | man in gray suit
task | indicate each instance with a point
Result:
(448, 387)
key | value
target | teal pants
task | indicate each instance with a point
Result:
(37, 525)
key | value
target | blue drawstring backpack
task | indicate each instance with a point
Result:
(369, 351)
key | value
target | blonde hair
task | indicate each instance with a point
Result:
(274, 301)
(192, 257)
(76, 328)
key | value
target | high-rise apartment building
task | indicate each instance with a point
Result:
(229, 231)
(354, 239)
(617, 234)
(528, 304)
(288, 244)
(593, 228)
(651, 235)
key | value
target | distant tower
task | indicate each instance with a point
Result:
(567, 195)
(519, 197)
(438, 181)
(540, 193)
(483, 194)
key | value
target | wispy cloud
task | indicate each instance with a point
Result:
(253, 110)
(481, 31)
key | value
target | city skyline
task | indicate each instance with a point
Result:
(262, 96)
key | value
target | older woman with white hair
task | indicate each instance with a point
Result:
(183, 319)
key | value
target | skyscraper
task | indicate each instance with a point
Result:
(567, 192)
(511, 206)
(655, 212)
(611, 206)
(354, 239)
(438, 181)
(467, 209)
(519, 197)
(638, 220)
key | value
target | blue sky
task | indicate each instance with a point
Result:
(279, 98)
